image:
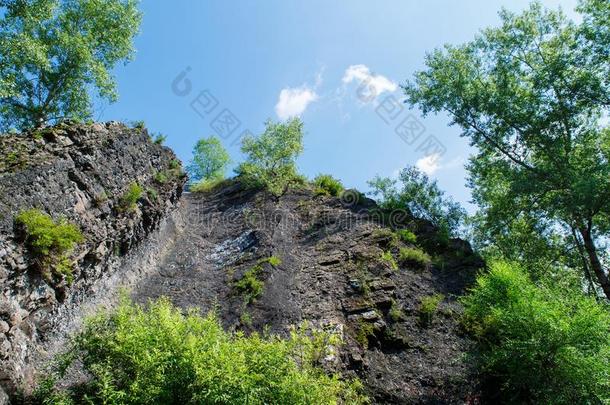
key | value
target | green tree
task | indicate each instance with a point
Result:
(540, 345)
(531, 96)
(53, 51)
(422, 196)
(210, 160)
(270, 161)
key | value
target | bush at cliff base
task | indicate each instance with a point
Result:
(538, 345)
(157, 355)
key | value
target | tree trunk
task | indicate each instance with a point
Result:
(585, 263)
(596, 265)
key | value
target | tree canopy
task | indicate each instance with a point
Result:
(53, 52)
(210, 160)
(531, 95)
(422, 196)
(271, 157)
(546, 345)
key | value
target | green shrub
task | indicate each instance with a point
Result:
(205, 186)
(174, 171)
(174, 164)
(362, 278)
(50, 241)
(16, 160)
(250, 285)
(138, 125)
(365, 331)
(540, 345)
(159, 139)
(395, 312)
(131, 197)
(428, 307)
(160, 177)
(274, 261)
(389, 258)
(406, 236)
(152, 193)
(414, 256)
(159, 355)
(327, 185)
(245, 318)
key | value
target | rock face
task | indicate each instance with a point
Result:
(332, 275)
(339, 263)
(80, 173)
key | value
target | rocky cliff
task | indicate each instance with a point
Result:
(340, 270)
(340, 263)
(80, 173)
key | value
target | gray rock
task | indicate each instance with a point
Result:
(61, 175)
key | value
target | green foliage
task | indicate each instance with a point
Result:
(53, 51)
(205, 186)
(175, 164)
(270, 157)
(130, 198)
(386, 237)
(362, 279)
(46, 236)
(421, 196)
(210, 160)
(428, 307)
(414, 256)
(406, 236)
(50, 241)
(388, 258)
(364, 332)
(395, 312)
(159, 355)
(159, 139)
(161, 177)
(327, 185)
(245, 318)
(532, 97)
(140, 125)
(250, 286)
(174, 171)
(542, 345)
(152, 193)
(274, 261)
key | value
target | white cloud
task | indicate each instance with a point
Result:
(294, 101)
(429, 164)
(370, 85)
(432, 163)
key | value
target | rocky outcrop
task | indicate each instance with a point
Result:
(80, 173)
(333, 274)
(337, 263)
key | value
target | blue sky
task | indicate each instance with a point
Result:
(336, 64)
